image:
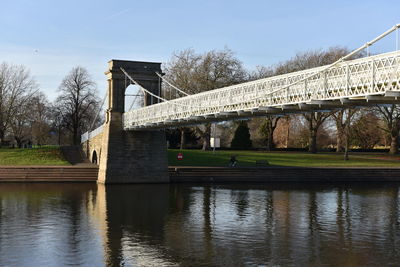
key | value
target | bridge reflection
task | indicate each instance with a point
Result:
(235, 225)
(196, 225)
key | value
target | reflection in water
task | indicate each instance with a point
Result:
(44, 225)
(196, 225)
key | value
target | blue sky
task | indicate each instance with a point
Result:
(51, 37)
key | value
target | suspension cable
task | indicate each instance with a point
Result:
(170, 84)
(133, 102)
(98, 113)
(150, 93)
(136, 95)
(366, 45)
(141, 87)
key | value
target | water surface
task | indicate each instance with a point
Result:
(199, 225)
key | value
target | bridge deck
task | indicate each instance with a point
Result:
(368, 80)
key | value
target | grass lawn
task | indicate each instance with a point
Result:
(53, 156)
(301, 159)
(32, 156)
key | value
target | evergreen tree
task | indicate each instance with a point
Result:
(241, 139)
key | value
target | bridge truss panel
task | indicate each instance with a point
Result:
(362, 77)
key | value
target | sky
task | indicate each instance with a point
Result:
(51, 37)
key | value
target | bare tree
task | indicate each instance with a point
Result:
(311, 59)
(181, 71)
(342, 120)
(306, 60)
(365, 130)
(78, 102)
(40, 118)
(390, 115)
(315, 120)
(20, 124)
(267, 125)
(261, 72)
(57, 122)
(204, 132)
(16, 88)
(267, 128)
(30, 121)
(195, 73)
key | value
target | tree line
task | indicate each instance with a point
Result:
(28, 118)
(340, 129)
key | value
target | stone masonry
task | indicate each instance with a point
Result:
(130, 156)
(92, 147)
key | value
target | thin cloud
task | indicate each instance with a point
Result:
(118, 13)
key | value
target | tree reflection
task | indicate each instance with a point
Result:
(155, 225)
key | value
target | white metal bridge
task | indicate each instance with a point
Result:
(364, 81)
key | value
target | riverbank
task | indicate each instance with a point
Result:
(273, 174)
(48, 173)
(190, 174)
(206, 166)
(245, 158)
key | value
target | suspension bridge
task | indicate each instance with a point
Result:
(127, 137)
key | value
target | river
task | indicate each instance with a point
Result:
(70, 224)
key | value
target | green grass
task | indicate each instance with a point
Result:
(31, 156)
(53, 156)
(299, 159)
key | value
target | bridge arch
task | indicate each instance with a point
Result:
(94, 158)
(134, 97)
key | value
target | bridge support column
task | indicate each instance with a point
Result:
(131, 156)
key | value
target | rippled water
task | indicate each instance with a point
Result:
(197, 225)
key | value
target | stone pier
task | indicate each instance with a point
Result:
(131, 156)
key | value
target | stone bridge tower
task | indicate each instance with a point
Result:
(131, 156)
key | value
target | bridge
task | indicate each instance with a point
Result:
(131, 146)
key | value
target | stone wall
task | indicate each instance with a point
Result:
(92, 148)
(132, 156)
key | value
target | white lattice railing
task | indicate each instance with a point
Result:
(372, 75)
(86, 136)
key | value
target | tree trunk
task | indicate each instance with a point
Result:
(346, 152)
(339, 140)
(205, 136)
(269, 128)
(206, 142)
(347, 143)
(2, 134)
(394, 144)
(270, 141)
(59, 136)
(345, 132)
(75, 136)
(313, 141)
(19, 142)
(313, 129)
(288, 132)
(182, 145)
